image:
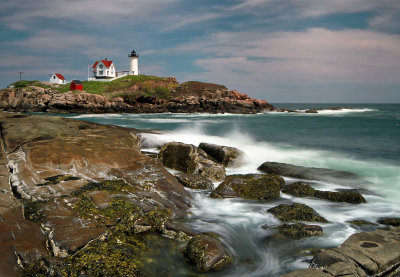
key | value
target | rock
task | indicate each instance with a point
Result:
(50, 163)
(296, 212)
(302, 189)
(189, 97)
(361, 223)
(250, 186)
(307, 273)
(308, 173)
(194, 181)
(207, 253)
(227, 156)
(299, 230)
(391, 221)
(190, 159)
(311, 111)
(363, 254)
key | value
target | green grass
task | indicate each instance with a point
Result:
(23, 83)
(121, 84)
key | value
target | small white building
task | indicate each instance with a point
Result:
(57, 78)
(104, 69)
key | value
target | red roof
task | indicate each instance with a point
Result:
(105, 62)
(59, 76)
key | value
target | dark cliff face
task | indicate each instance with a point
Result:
(151, 96)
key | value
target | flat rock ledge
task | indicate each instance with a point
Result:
(374, 253)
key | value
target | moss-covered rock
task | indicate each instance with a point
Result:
(361, 223)
(207, 253)
(194, 181)
(33, 211)
(188, 158)
(302, 189)
(296, 212)
(391, 221)
(250, 186)
(300, 230)
(117, 255)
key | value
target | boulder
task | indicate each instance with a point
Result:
(194, 181)
(361, 223)
(308, 173)
(225, 155)
(364, 254)
(190, 159)
(250, 186)
(391, 221)
(207, 253)
(300, 230)
(302, 189)
(296, 212)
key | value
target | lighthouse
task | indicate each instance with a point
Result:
(134, 65)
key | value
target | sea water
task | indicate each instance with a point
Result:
(363, 139)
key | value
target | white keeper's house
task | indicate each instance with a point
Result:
(57, 78)
(104, 69)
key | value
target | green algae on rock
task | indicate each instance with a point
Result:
(207, 253)
(250, 186)
(296, 212)
(194, 181)
(190, 159)
(300, 230)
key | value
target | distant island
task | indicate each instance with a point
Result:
(130, 94)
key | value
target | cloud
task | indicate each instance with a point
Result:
(19, 14)
(315, 56)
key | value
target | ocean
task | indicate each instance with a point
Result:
(361, 138)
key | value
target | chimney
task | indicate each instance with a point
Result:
(105, 59)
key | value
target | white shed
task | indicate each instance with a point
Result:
(57, 78)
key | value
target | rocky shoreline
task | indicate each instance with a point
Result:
(196, 98)
(79, 198)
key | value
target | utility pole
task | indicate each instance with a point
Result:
(20, 74)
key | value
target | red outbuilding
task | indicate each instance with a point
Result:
(76, 85)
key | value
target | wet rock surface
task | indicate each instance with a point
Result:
(190, 159)
(374, 253)
(250, 186)
(79, 188)
(302, 189)
(225, 155)
(296, 212)
(207, 253)
(308, 173)
(194, 181)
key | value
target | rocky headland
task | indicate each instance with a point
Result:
(132, 94)
(81, 199)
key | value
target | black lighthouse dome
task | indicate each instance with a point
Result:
(133, 54)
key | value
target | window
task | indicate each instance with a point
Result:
(101, 72)
(108, 72)
(54, 76)
(101, 66)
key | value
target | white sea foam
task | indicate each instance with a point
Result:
(107, 115)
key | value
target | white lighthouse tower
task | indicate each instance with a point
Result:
(134, 65)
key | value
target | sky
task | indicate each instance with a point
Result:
(283, 51)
